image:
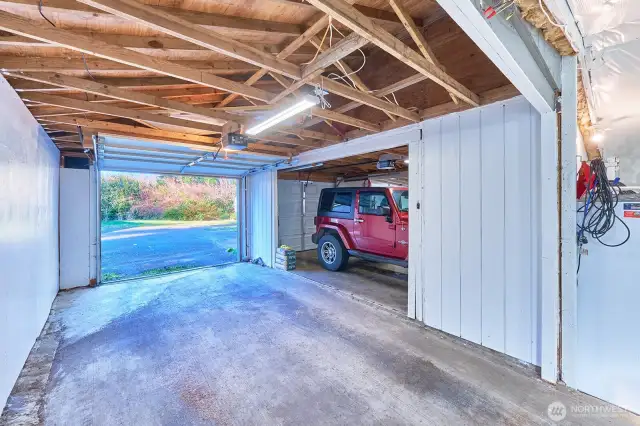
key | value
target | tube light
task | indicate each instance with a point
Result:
(304, 103)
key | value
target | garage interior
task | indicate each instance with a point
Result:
(298, 197)
(480, 108)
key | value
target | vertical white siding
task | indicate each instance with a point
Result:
(262, 213)
(480, 225)
(29, 185)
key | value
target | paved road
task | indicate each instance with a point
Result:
(132, 251)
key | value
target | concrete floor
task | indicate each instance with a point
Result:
(380, 283)
(248, 345)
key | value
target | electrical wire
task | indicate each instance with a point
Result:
(42, 14)
(549, 17)
(598, 213)
(86, 67)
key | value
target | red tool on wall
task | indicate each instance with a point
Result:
(585, 180)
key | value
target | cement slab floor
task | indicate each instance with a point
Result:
(247, 345)
(384, 284)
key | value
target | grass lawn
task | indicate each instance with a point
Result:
(117, 225)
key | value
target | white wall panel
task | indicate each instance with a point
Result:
(470, 228)
(262, 213)
(493, 219)
(29, 166)
(77, 227)
(432, 224)
(451, 216)
(480, 226)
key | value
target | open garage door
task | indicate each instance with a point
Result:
(169, 207)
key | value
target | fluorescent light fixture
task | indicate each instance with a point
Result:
(310, 166)
(302, 104)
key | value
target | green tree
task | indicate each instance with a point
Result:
(119, 193)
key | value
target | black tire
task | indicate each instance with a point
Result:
(331, 253)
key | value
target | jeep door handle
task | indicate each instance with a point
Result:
(358, 220)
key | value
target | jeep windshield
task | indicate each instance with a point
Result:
(401, 198)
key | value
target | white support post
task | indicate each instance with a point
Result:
(549, 246)
(416, 263)
(568, 259)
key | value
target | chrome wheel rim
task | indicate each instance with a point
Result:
(328, 252)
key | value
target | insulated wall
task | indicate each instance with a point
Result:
(29, 166)
(475, 268)
(261, 191)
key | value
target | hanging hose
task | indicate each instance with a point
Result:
(598, 213)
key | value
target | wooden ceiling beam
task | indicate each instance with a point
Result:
(36, 30)
(208, 20)
(177, 27)
(365, 98)
(118, 112)
(314, 29)
(219, 117)
(357, 22)
(371, 12)
(95, 65)
(205, 143)
(417, 37)
(352, 75)
(327, 114)
(335, 53)
(148, 44)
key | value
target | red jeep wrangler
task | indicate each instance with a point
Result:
(369, 223)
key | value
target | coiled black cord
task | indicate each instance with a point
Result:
(598, 213)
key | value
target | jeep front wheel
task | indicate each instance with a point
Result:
(331, 253)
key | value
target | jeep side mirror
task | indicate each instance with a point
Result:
(386, 211)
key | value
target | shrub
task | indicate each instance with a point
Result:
(169, 197)
(118, 196)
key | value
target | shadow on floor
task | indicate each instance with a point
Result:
(368, 280)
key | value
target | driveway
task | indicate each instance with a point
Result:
(134, 251)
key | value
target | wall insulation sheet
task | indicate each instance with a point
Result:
(475, 269)
(261, 191)
(29, 166)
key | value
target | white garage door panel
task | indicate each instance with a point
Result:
(297, 207)
(290, 214)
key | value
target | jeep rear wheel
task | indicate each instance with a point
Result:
(331, 253)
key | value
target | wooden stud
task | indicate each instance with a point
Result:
(126, 95)
(17, 25)
(365, 98)
(118, 112)
(357, 22)
(208, 20)
(417, 37)
(175, 26)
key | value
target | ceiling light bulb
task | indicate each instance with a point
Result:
(302, 104)
(598, 137)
